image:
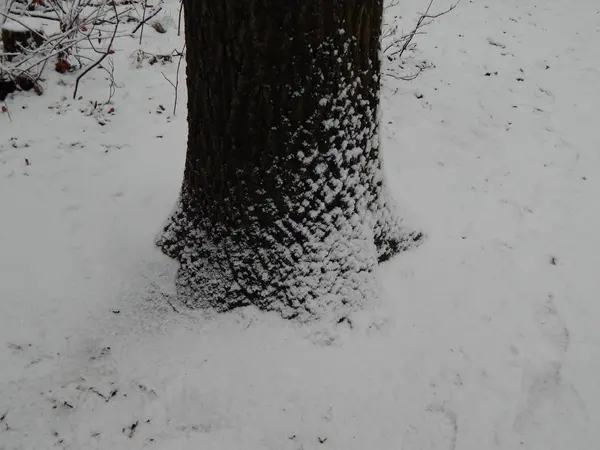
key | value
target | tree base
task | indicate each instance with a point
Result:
(15, 40)
(283, 203)
(225, 269)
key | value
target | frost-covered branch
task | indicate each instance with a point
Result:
(81, 26)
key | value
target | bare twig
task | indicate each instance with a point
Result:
(176, 84)
(147, 19)
(172, 306)
(421, 23)
(7, 9)
(179, 20)
(395, 44)
(144, 7)
(79, 20)
(104, 55)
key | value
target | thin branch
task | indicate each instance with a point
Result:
(397, 46)
(99, 61)
(179, 20)
(141, 24)
(143, 20)
(176, 84)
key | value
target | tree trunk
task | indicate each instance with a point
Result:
(16, 38)
(283, 203)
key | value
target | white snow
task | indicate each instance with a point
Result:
(487, 337)
(21, 24)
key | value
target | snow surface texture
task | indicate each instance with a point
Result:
(487, 336)
(21, 25)
(320, 258)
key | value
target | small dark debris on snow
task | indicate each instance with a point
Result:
(147, 389)
(159, 27)
(105, 351)
(132, 428)
(27, 163)
(322, 440)
(116, 311)
(520, 79)
(15, 348)
(496, 43)
(160, 58)
(346, 320)
(419, 95)
(68, 405)
(553, 260)
(99, 394)
(417, 236)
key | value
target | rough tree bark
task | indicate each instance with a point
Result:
(283, 203)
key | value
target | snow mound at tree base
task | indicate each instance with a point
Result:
(323, 276)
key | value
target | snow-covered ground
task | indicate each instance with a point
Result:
(487, 337)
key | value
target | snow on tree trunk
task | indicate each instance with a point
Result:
(283, 203)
